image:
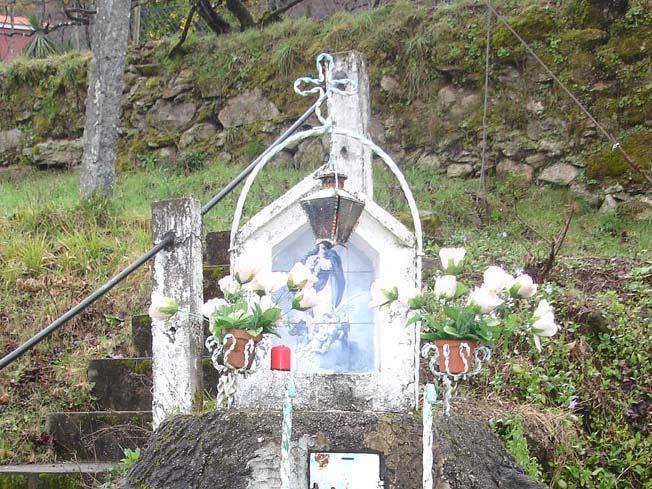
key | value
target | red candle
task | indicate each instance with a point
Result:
(281, 358)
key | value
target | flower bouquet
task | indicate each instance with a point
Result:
(458, 318)
(250, 307)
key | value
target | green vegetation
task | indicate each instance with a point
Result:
(421, 48)
(608, 163)
(54, 250)
(590, 387)
(511, 430)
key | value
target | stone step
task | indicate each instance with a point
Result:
(69, 475)
(216, 248)
(125, 384)
(100, 435)
(141, 335)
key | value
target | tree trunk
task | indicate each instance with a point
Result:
(242, 13)
(110, 39)
(241, 449)
(217, 24)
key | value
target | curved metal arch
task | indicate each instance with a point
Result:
(391, 164)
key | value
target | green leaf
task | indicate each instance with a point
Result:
(450, 330)
(460, 290)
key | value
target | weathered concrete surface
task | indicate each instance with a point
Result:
(352, 112)
(221, 451)
(98, 435)
(178, 342)
(110, 36)
(125, 384)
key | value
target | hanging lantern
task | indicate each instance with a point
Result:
(332, 211)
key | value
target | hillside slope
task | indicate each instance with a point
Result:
(585, 402)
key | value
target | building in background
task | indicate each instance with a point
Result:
(15, 34)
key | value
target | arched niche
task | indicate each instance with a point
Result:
(339, 335)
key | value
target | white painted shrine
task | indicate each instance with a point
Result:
(352, 357)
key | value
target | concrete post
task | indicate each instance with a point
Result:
(177, 344)
(353, 113)
(110, 40)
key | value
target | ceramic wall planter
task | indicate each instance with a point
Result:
(235, 348)
(457, 352)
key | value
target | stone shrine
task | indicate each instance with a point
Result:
(353, 381)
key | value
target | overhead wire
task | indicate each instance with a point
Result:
(615, 144)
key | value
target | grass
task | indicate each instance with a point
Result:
(54, 250)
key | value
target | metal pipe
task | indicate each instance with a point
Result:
(237, 180)
(168, 240)
(22, 349)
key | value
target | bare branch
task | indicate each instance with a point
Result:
(184, 34)
(269, 17)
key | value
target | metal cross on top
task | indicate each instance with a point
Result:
(344, 111)
(325, 84)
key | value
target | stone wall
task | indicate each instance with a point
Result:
(222, 102)
(241, 450)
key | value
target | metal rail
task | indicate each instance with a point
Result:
(237, 180)
(168, 240)
(37, 338)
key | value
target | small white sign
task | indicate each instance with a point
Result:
(329, 470)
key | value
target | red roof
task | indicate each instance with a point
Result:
(21, 23)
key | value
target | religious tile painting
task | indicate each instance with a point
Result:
(338, 335)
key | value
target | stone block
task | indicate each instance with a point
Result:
(169, 116)
(197, 134)
(100, 435)
(216, 248)
(9, 141)
(246, 108)
(61, 153)
(559, 174)
(459, 170)
(508, 168)
(125, 384)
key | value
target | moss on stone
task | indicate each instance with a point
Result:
(633, 45)
(139, 366)
(574, 39)
(534, 23)
(10, 481)
(60, 481)
(611, 164)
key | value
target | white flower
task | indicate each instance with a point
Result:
(496, 279)
(209, 307)
(524, 286)
(267, 282)
(543, 322)
(305, 299)
(446, 286)
(382, 292)
(300, 277)
(162, 307)
(408, 293)
(485, 298)
(452, 259)
(229, 285)
(264, 302)
(247, 266)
